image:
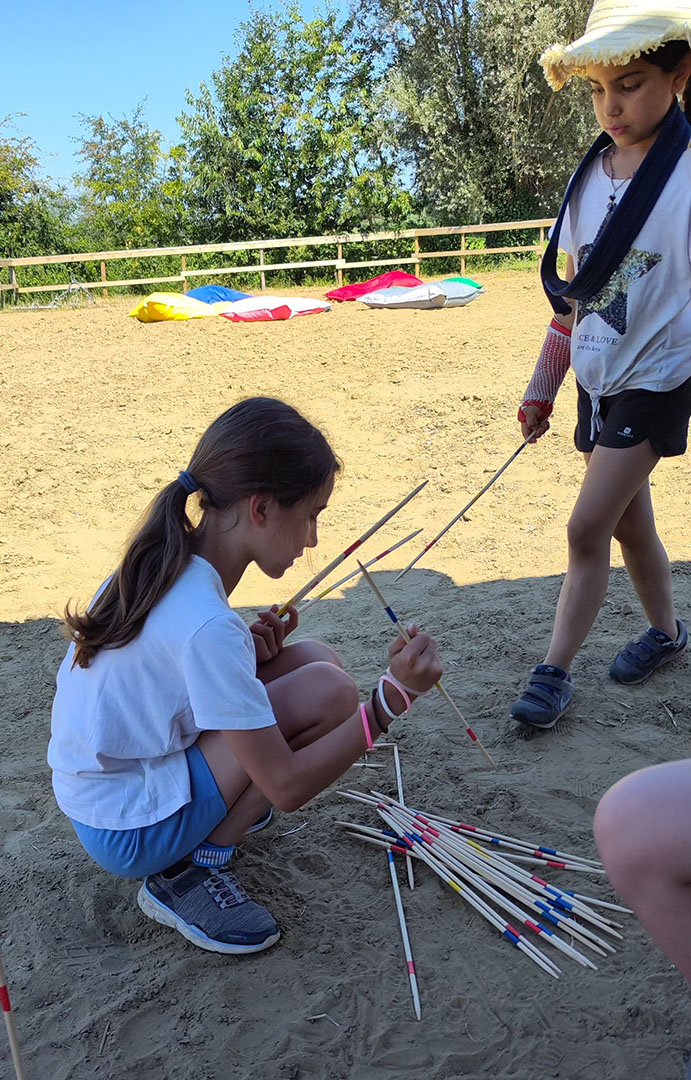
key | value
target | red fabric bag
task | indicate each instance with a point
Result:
(384, 281)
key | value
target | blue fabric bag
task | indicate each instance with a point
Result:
(209, 294)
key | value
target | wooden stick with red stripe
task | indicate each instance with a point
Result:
(404, 935)
(349, 550)
(354, 573)
(9, 1024)
(406, 637)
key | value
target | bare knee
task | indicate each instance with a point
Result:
(586, 537)
(626, 849)
(335, 696)
(314, 652)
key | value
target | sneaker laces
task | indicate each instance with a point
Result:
(225, 889)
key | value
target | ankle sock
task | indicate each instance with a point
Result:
(213, 855)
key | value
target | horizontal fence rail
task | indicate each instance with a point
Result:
(339, 264)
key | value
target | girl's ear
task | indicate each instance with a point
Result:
(257, 509)
(682, 74)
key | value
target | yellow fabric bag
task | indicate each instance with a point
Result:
(162, 306)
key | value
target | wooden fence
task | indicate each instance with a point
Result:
(339, 264)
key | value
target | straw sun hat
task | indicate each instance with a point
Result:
(615, 33)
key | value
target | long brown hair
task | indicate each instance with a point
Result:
(259, 446)
(668, 57)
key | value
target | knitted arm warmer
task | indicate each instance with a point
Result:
(550, 371)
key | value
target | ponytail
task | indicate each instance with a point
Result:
(686, 99)
(259, 446)
(156, 556)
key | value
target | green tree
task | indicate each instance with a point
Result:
(483, 133)
(283, 140)
(34, 216)
(132, 188)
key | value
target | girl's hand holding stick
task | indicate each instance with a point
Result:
(270, 631)
(407, 636)
(535, 423)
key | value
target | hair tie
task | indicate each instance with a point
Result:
(187, 481)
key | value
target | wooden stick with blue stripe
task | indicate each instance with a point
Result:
(404, 935)
(406, 637)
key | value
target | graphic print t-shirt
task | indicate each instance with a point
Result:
(635, 334)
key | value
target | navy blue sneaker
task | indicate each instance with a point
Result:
(209, 908)
(546, 697)
(639, 659)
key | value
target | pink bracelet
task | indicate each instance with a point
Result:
(365, 724)
(385, 705)
(402, 686)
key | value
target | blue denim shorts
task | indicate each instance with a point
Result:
(135, 853)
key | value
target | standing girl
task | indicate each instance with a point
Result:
(625, 224)
(176, 727)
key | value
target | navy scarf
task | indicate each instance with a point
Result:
(625, 223)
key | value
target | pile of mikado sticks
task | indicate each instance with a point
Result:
(467, 858)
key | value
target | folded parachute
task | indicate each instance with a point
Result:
(163, 307)
(273, 308)
(384, 281)
(451, 292)
(212, 294)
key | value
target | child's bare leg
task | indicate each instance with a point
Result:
(308, 701)
(295, 656)
(646, 561)
(612, 479)
(643, 832)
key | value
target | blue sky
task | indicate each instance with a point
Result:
(60, 58)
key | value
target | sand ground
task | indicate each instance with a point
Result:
(98, 413)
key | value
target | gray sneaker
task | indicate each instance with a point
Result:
(210, 909)
(262, 823)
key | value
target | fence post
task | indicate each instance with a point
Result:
(417, 252)
(104, 277)
(339, 271)
(542, 245)
(13, 283)
(462, 254)
(262, 275)
(183, 271)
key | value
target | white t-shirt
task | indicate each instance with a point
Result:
(121, 726)
(636, 333)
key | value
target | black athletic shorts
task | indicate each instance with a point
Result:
(633, 416)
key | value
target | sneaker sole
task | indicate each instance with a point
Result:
(537, 725)
(259, 825)
(643, 678)
(162, 914)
